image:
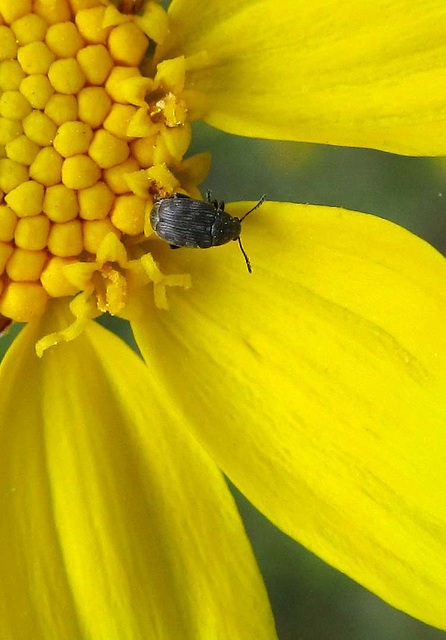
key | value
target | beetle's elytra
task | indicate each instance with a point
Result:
(185, 222)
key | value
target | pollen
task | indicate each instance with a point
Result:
(87, 142)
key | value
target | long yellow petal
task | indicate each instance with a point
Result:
(319, 385)
(365, 75)
(115, 524)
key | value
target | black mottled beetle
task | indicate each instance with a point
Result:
(185, 222)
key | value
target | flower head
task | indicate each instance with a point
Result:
(317, 385)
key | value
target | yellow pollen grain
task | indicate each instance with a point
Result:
(94, 105)
(24, 265)
(32, 233)
(95, 62)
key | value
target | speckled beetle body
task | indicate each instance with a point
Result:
(185, 222)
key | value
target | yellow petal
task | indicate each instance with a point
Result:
(319, 385)
(330, 72)
(115, 523)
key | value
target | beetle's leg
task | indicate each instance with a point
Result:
(221, 206)
(174, 246)
(209, 196)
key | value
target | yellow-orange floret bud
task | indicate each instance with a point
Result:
(107, 150)
(53, 10)
(26, 265)
(35, 57)
(115, 176)
(72, 138)
(116, 82)
(32, 233)
(95, 231)
(13, 9)
(8, 223)
(60, 203)
(64, 39)
(95, 202)
(9, 129)
(65, 239)
(5, 252)
(66, 76)
(53, 279)
(94, 105)
(37, 90)
(29, 28)
(118, 119)
(11, 174)
(128, 44)
(8, 44)
(11, 75)
(62, 108)
(95, 62)
(89, 22)
(143, 150)
(47, 167)
(23, 301)
(39, 128)
(79, 172)
(22, 150)
(128, 214)
(14, 105)
(26, 199)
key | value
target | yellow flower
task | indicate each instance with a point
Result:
(317, 385)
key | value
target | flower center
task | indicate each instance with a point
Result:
(86, 143)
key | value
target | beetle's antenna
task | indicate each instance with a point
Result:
(248, 264)
(262, 199)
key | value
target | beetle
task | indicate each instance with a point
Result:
(183, 221)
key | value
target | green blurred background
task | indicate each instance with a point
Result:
(311, 600)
